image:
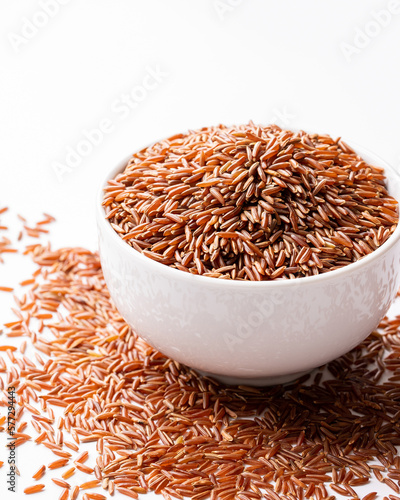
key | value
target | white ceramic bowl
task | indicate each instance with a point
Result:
(253, 333)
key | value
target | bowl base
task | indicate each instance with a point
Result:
(256, 382)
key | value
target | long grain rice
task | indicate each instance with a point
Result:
(251, 203)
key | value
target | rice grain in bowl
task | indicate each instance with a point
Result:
(244, 329)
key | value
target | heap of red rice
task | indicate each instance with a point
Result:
(251, 203)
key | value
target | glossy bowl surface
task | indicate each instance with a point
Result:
(253, 333)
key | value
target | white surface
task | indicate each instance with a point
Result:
(216, 61)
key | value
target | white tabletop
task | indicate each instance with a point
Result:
(86, 83)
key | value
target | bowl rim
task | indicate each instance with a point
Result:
(177, 274)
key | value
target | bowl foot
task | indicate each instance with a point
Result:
(257, 382)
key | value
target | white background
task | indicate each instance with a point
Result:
(323, 66)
